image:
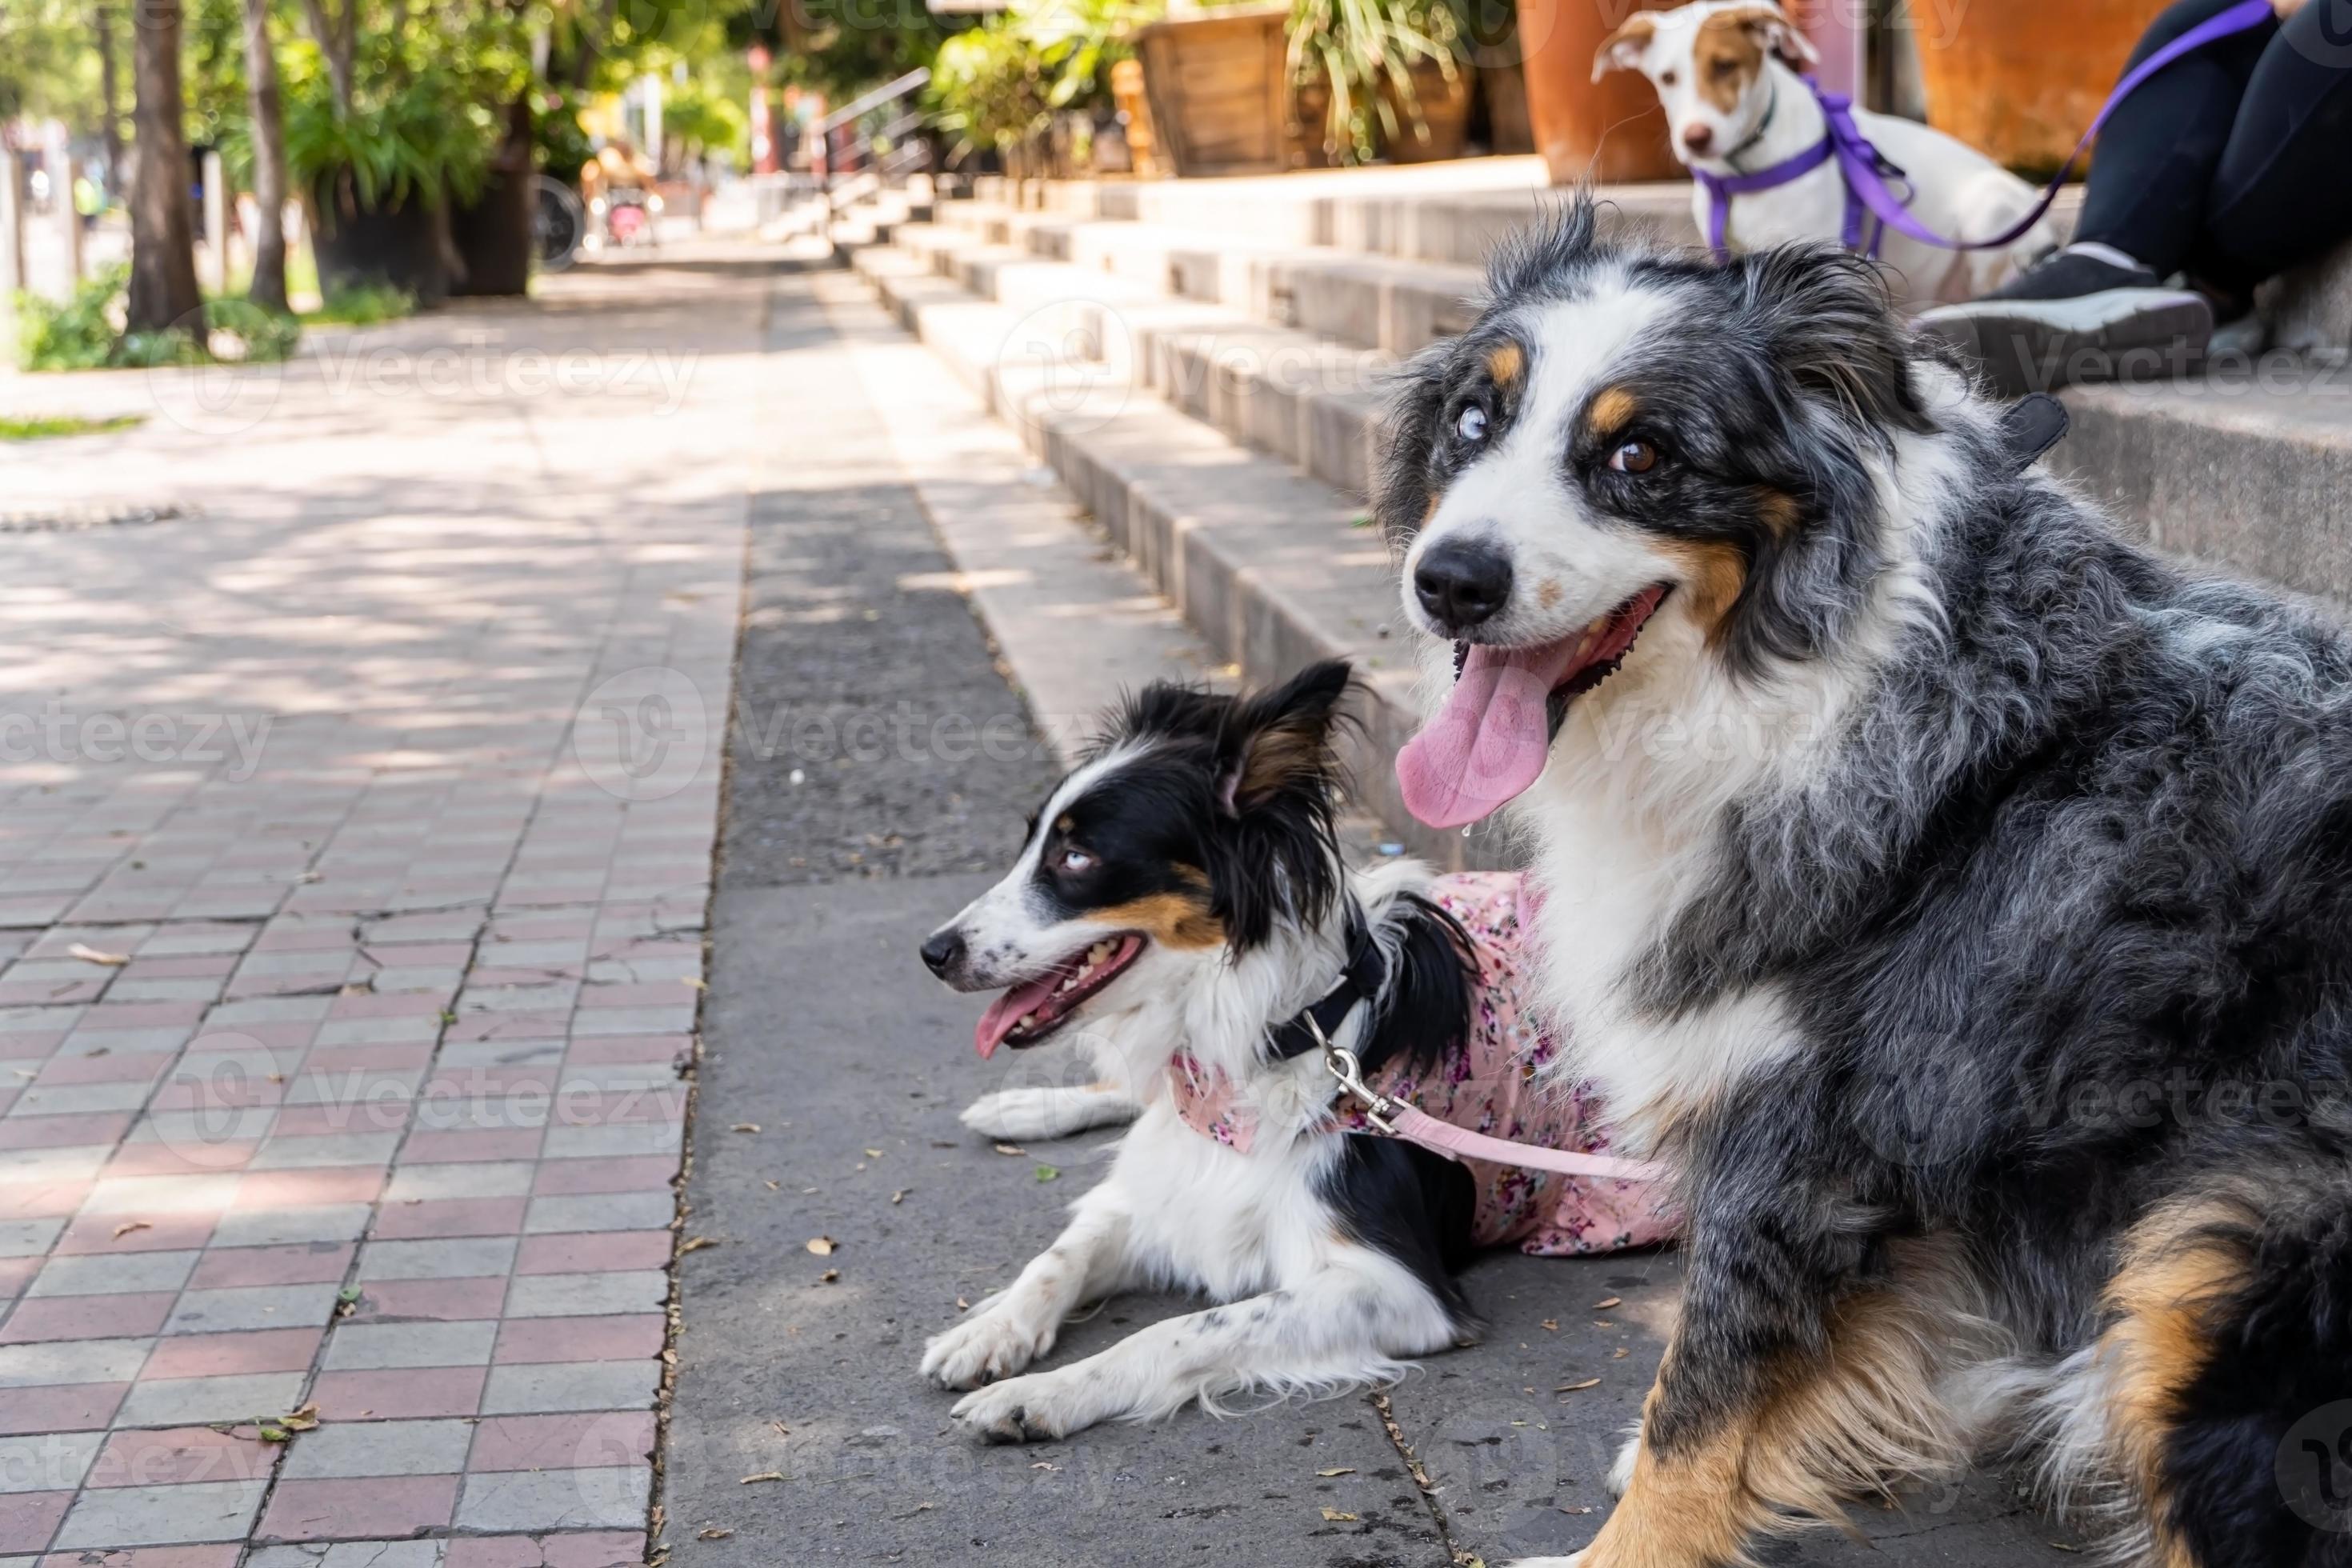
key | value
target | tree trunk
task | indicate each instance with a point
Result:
(337, 39)
(268, 289)
(163, 232)
(109, 98)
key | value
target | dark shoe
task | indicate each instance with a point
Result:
(2076, 318)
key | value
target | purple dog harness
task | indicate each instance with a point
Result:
(1872, 206)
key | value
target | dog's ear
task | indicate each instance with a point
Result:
(1622, 50)
(1407, 435)
(1278, 743)
(1832, 327)
(1772, 30)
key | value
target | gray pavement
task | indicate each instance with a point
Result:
(832, 1071)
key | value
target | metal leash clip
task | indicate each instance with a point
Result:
(1342, 1065)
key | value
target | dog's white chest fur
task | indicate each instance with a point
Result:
(1611, 886)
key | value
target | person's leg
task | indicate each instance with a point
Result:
(2155, 160)
(2097, 309)
(2279, 194)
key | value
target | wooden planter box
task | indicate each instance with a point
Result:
(1444, 110)
(1219, 87)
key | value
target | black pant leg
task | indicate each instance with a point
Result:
(2153, 175)
(2282, 190)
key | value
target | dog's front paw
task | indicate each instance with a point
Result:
(1024, 1410)
(1045, 1113)
(982, 1348)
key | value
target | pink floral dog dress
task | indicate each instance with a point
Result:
(1488, 1087)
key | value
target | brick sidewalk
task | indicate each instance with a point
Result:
(339, 1045)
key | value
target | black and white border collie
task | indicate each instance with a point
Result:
(1181, 897)
(1960, 897)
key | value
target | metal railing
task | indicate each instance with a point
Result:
(874, 132)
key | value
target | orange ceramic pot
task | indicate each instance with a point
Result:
(2019, 79)
(1610, 129)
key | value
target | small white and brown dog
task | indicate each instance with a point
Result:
(1181, 908)
(1726, 73)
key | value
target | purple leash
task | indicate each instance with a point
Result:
(1865, 171)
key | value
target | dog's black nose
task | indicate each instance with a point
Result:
(943, 951)
(1463, 582)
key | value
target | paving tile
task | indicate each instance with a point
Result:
(597, 1252)
(525, 1340)
(72, 1407)
(223, 1556)
(602, 1212)
(584, 1549)
(450, 1259)
(536, 1387)
(252, 1306)
(587, 1294)
(457, 1216)
(53, 1365)
(350, 1554)
(27, 1520)
(182, 1456)
(309, 1263)
(499, 1147)
(549, 1500)
(310, 1188)
(28, 1238)
(435, 1183)
(233, 1354)
(437, 1300)
(379, 1448)
(398, 1395)
(378, 1508)
(48, 1462)
(113, 1235)
(589, 1440)
(86, 1318)
(102, 1275)
(201, 1401)
(280, 1227)
(148, 1516)
(377, 1347)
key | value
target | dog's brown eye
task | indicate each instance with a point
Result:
(1635, 458)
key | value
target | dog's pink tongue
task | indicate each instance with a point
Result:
(1488, 743)
(1006, 1011)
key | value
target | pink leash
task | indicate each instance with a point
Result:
(1415, 1125)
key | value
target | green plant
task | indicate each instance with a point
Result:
(999, 83)
(363, 306)
(79, 334)
(85, 333)
(1362, 54)
(44, 427)
(423, 137)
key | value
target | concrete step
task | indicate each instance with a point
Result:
(2244, 478)
(1274, 568)
(2253, 479)
(1292, 393)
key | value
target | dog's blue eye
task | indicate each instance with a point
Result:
(1077, 860)
(1472, 426)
